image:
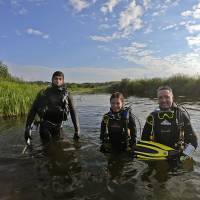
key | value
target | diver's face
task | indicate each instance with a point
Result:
(116, 104)
(165, 99)
(58, 81)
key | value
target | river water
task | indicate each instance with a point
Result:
(77, 170)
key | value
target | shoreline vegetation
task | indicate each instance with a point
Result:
(16, 95)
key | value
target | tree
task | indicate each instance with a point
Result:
(4, 71)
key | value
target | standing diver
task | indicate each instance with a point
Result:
(52, 105)
(118, 129)
(169, 124)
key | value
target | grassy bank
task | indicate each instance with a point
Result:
(16, 97)
(182, 85)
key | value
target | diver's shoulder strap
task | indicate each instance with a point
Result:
(150, 119)
(125, 113)
(66, 94)
(106, 118)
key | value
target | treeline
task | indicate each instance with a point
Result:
(182, 85)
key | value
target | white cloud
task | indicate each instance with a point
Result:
(186, 13)
(138, 53)
(130, 19)
(36, 32)
(23, 11)
(109, 6)
(148, 30)
(169, 27)
(104, 26)
(161, 7)
(193, 28)
(146, 4)
(79, 5)
(188, 63)
(193, 40)
(45, 36)
(114, 36)
(195, 12)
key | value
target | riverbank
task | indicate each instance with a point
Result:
(16, 96)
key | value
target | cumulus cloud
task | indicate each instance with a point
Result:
(109, 6)
(79, 5)
(36, 32)
(193, 40)
(130, 19)
(139, 54)
(195, 12)
(192, 28)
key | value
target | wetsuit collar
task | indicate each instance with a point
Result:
(112, 112)
(59, 88)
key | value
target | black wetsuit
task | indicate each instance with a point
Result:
(165, 127)
(118, 129)
(52, 105)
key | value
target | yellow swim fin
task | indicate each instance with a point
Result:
(148, 150)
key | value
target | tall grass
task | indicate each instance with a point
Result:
(16, 97)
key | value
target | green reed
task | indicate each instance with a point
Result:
(16, 97)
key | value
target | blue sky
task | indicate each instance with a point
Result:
(100, 40)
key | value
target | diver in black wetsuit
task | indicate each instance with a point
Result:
(118, 129)
(169, 124)
(52, 105)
